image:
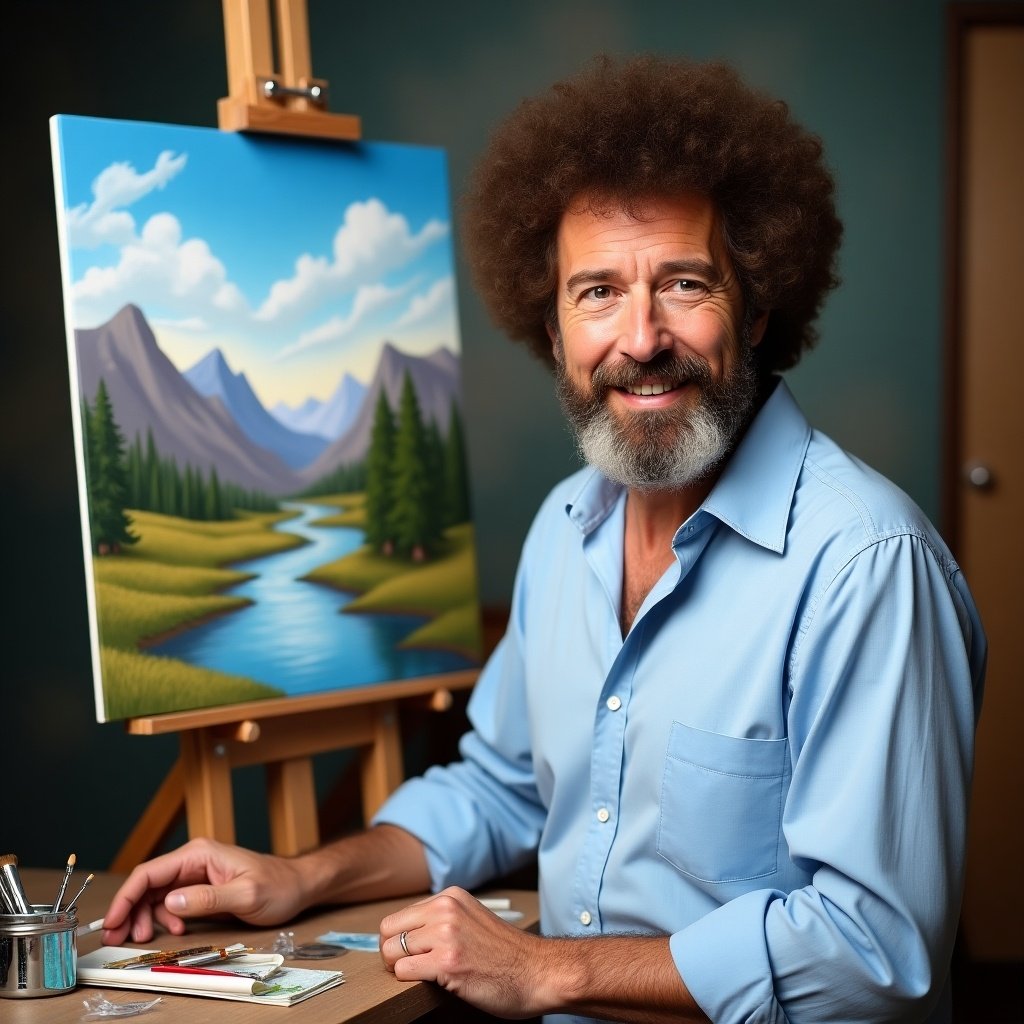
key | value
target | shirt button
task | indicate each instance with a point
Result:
(613, 703)
(585, 917)
(603, 815)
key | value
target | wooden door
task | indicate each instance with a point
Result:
(985, 453)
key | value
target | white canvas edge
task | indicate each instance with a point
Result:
(76, 417)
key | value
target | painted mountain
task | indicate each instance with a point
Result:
(150, 396)
(436, 381)
(209, 416)
(329, 419)
(267, 410)
(212, 378)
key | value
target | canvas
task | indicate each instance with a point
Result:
(264, 363)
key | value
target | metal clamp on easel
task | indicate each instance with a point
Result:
(263, 98)
(273, 90)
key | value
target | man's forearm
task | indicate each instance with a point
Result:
(625, 978)
(380, 863)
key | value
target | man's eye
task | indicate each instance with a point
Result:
(687, 285)
(599, 292)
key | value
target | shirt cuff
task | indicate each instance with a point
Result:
(723, 961)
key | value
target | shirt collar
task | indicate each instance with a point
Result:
(754, 494)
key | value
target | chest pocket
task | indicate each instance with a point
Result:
(721, 804)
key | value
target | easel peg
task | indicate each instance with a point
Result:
(246, 731)
(441, 700)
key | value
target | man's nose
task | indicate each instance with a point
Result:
(644, 334)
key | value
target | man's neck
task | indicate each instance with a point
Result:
(652, 518)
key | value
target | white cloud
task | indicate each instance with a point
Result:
(368, 299)
(104, 221)
(159, 270)
(370, 242)
(426, 306)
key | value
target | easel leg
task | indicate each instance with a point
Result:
(208, 800)
(291, 799)
(382, 760)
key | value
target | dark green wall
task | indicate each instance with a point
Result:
(867, 75)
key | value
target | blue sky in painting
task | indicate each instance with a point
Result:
(296, 258)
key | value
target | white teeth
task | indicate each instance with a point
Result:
(650, 389)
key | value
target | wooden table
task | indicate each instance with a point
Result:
(370, 994)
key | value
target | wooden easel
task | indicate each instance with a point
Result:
(260, 99)
(282, 734)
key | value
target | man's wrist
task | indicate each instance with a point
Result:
(562, 983)
(382, 862)
(315, 877)
(630, 978)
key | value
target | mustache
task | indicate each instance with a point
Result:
(669, 366)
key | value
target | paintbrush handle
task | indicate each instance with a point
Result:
(78, 895)
(6, 903)
(63, 885)
(13, 889)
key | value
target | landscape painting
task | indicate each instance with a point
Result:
(264, 363)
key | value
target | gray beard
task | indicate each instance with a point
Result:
(661, 449)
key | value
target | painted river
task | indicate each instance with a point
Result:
(293, 636)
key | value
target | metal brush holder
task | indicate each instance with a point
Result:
(38, 953)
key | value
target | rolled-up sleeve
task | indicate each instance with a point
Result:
(884, 689)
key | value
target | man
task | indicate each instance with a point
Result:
(733, 712)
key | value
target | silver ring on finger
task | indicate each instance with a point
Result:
(404, 944)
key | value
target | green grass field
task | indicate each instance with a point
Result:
(139, 684)
(175, 541)
(170, 580)
(443, 588)
(173, 579)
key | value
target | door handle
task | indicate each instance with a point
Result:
(978, 476)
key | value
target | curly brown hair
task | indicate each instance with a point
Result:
(646, 128)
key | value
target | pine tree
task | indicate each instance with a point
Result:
(456, 480)
(107, 477)
(151, 476)
(414, 519)
(214, 509)
(135, 475)
(170, 487)
(378, 477)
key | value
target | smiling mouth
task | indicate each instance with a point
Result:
(652, 387)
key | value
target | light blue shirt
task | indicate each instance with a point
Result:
(773, 767)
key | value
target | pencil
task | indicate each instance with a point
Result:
(64, 882)
(71, 905)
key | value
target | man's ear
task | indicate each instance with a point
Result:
(758, 327)
(556, 340)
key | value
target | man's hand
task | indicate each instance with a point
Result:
(457, 942)
(199, 879)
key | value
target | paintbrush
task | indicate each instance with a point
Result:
(15, 894)
(64, 882)
(70, 908)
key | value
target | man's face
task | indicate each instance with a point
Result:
(655, 365)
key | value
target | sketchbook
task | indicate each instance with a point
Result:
(253, 978)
